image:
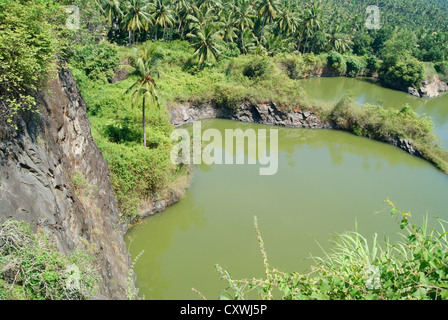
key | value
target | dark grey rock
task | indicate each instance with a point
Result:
(36, 163)
(413, 91)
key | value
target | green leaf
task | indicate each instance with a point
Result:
(444, 294)
(420, 293)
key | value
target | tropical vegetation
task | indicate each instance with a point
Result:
(272, 26)
(133, 60)
(411, 268)
(32, 267)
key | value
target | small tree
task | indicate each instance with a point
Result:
(146, 62)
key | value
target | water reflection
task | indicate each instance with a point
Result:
(369, 91)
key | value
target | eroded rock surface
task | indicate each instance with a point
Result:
(37, 166)
(263, 113)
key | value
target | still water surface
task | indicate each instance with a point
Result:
(365, 91)
(328, 182)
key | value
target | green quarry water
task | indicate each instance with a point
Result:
(327, 182)
(332, 89)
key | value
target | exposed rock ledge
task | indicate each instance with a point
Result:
(430, 88)
(265, 113)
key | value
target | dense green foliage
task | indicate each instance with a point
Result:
(32, 268)
(442, 69)
(98, 62)
(28, 48)
(137, 173)
(409, 29)
(414, 268)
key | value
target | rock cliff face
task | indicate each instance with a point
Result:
(263, 113)
(37, 166)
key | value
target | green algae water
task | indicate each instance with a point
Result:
(365, 91)
(328, 182)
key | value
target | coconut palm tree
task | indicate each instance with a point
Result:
(198, 17)
(244, 15)
(311, 21)
(204, 39)
(339, 41)
(287, 19)
(228, 27)
(146, 62)
(137, 17)
(111, 10)
(208, 4)
(267, 9)
(182, 8)
(162, 16)
(249, 41)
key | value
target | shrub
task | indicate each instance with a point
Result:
(372, 65)
(407, 71)
(137, 173)
(293, 65)
(32, 268)
(176, 52)
(442, 69)
(98, 61)
(29, 45)
(337, 62)
(313, 62)
(230, 95)
(355, 65)
(229, 50)
(344, 113)
(257, 67)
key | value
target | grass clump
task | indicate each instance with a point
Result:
(32, 268)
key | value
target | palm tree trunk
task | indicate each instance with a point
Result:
(262, 27)
(144, 123)
(155, 33)
(299, 42)
(306, 42)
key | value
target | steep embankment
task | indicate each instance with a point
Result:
(38, 163)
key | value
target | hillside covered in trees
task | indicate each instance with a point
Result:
(407, 34)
